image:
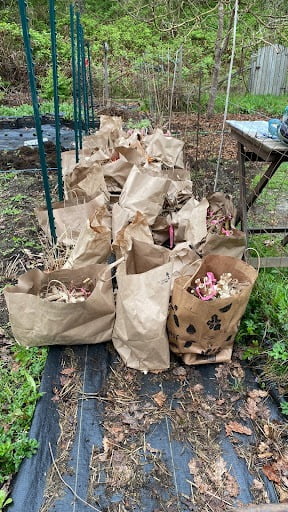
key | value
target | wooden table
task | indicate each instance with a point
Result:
(254, 144)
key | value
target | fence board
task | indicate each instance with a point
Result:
(268, 74)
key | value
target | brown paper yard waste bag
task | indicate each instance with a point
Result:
(93, 244)
(202, 331)
(138, 229)
(144, 193)
(165, 148)
(139, 333)
(232, 244)
(35, 321)
(69, 217)
(86, 180)
(118, 170)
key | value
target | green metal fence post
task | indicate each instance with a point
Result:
(30, 66)
(79, 77)
(56, 97)
(90, 85)
(74, 80)
(84, 82)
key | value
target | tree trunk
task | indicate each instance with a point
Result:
(217, 61)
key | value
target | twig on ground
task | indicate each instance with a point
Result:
(67, 485)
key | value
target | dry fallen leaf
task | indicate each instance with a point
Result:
(159, 398)
(272, 472)
(68, 371)
(219, 468)
(150, 449)
(179, 371)
(234, 426)
(257, 485)
(231, 485)
(257, 393)
(197, 388)
(237, 371)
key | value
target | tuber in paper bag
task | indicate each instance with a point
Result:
(36, 321)
(203, 331)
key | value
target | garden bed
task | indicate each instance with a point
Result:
(171, 428)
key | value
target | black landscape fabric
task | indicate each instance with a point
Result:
(96, 362)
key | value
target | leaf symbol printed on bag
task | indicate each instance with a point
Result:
(176, 320)
(191, 329)
(214, 323)
(225, 308)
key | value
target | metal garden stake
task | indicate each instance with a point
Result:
(74, 80)
(90, 85)
(56, 97)
(32, 81)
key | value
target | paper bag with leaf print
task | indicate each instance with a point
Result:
(144, 282)
(203, 331)
(94, 242)
(69, 217)
(37, 320)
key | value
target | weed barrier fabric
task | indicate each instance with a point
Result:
(11, 139)
(95, 363)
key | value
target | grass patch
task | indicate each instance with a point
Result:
(20, 379)
(267, 104)
(264, 327)
(47, 107)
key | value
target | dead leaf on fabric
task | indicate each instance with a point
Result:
(272, 473)
(234, 426)
(237, 371)
(231, 485)
(257, 485)
(219, 468)
(150, 449)
(257, 393)
(159, 398)
(197, 388)
(117, 433)
(68, 371)
(263, 451)
(179, 371)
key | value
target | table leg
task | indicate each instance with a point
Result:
(242, 211)
(259, 187)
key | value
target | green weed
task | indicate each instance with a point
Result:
(264, 327)
(9, 210)
(4, 500)
(18, 396)
(284, 407)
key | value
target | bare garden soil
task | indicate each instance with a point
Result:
(197, 439)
